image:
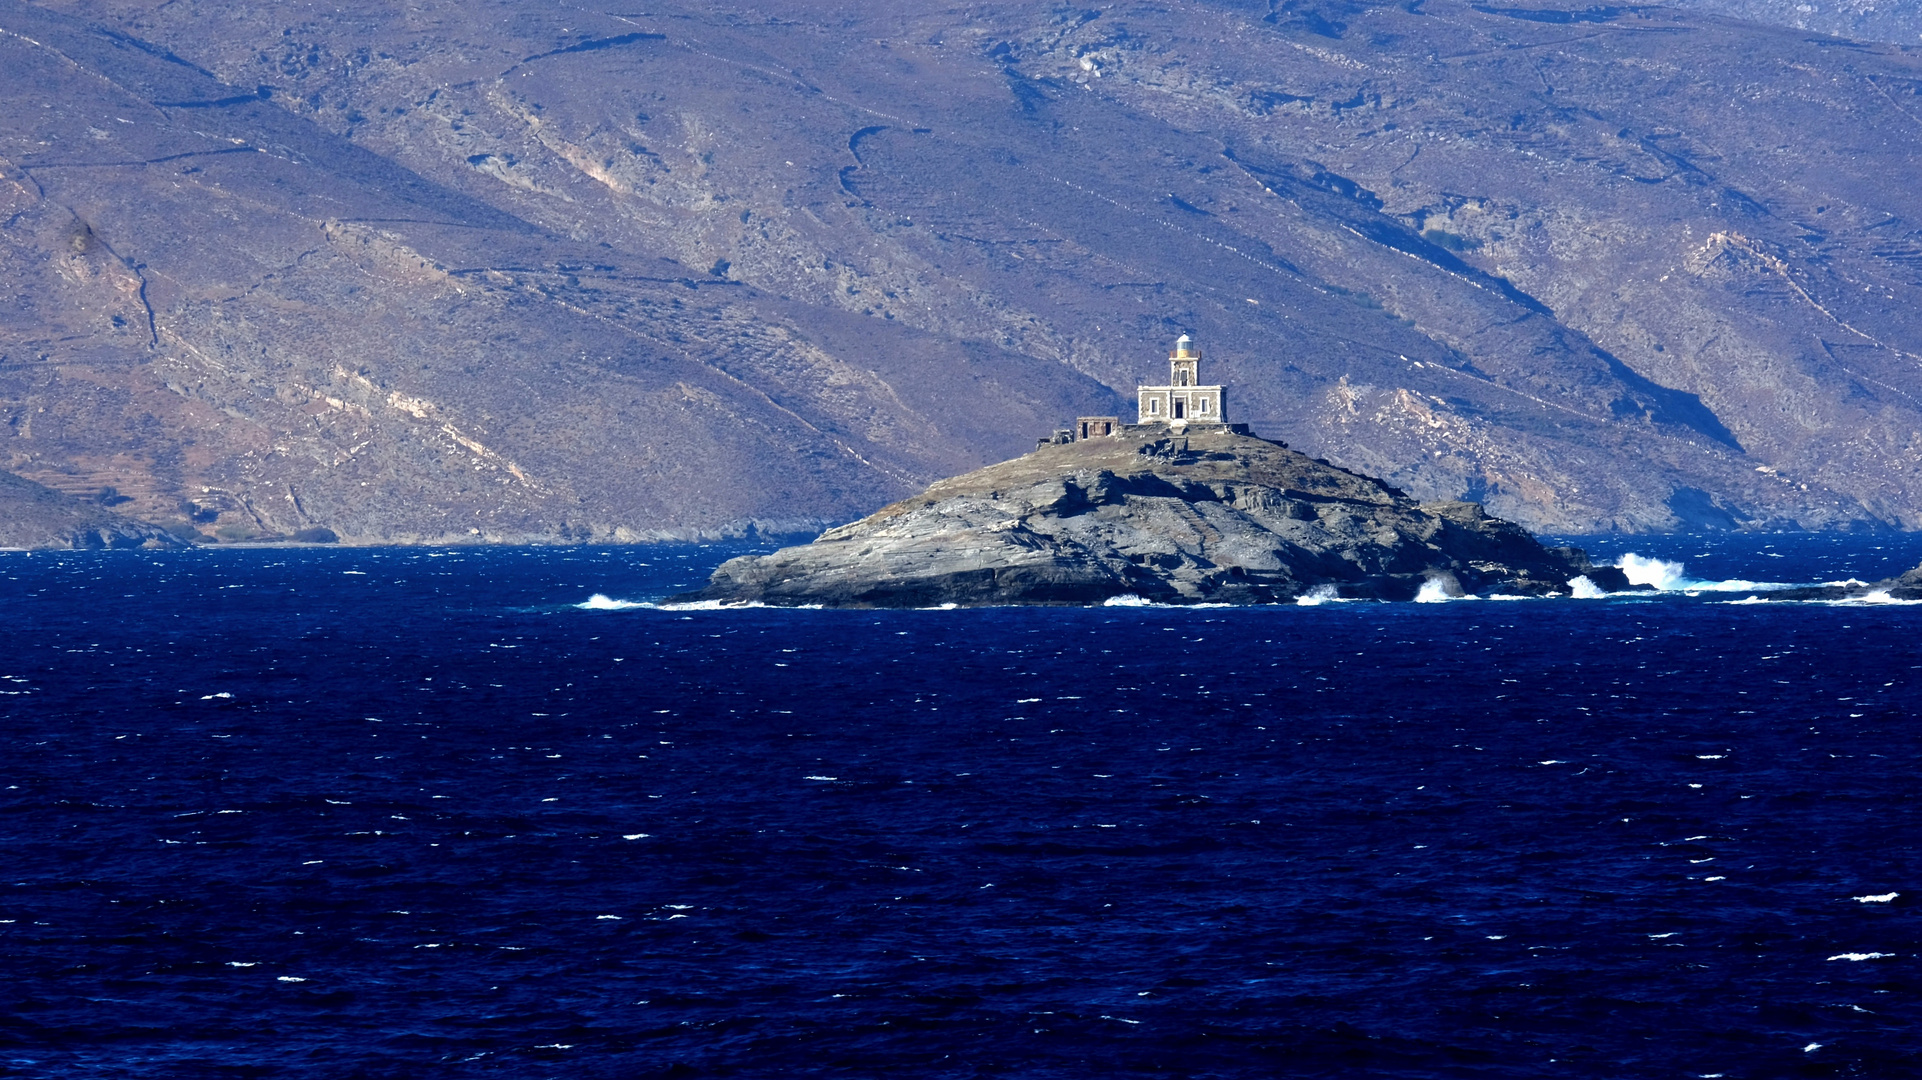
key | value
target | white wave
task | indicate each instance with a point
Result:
(1320, 594)
(1667, 576)
(1662, 574)
(1750, 599)
(1876, 898)
(715, 605)
(1127, 600)
(1879, 597)
(603, 602)
(1862, 956)
(1584, 589)
(1433, 592)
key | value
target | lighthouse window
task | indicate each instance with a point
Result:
(1154, 406)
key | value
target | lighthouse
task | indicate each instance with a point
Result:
(1184, 400)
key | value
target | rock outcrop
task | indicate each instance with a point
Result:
(1209, 516)
(34, 516)
(1906, 586)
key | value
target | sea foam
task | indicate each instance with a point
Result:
(1433, 592)
(603, 602)
(720, 605)
(1669, 576)
(1878, 598)
(1320, 594)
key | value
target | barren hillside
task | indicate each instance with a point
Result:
(506, 271)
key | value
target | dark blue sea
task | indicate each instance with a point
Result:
(421, 813)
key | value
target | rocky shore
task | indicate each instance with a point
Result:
(1202, 516)
(35, 516)
(1907, 586)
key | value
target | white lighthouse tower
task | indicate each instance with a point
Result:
(1184, 400)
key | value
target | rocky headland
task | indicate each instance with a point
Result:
(1206, 516)
(35, 516)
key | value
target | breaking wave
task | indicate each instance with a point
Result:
(1320, 594)
(1667, 576)
(603, 602)
(1433, 592)
(725, 605)
(1878, 598)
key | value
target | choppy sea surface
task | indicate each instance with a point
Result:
(466, 813)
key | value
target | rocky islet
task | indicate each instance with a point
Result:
(1208, 515)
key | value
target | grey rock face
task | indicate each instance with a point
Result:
(1208, 516)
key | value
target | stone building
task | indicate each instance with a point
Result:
(1181, 404)
(1184, 400)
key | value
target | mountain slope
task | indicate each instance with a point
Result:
(1861, 20)
(499, 271)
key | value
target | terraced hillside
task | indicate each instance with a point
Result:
(508, 271)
